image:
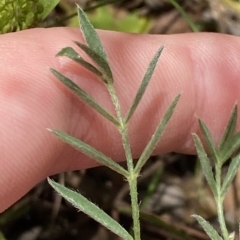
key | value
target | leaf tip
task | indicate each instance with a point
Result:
(52, 70)
(50, 181)
(49, 129)
(161, 49)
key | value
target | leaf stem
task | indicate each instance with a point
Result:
(132, 181)
(219, 201)
(122, 127)
(132, 175)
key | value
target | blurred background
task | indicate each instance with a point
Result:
(171, 187)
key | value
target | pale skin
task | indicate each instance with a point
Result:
(204, 67)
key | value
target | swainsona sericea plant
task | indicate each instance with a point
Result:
(95, 51)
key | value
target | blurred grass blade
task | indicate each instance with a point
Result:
(156, 221)
(99, 60)
(90, 34)
(206, 167)
(211, 232)
(231, 127)
(84, 96)
(92, 210)
(144, 84)
(152, 187)
(230, 147)
(2, 236)
(208, 140)
(172, 231)
(188, 19)
(90, 152)
(72, 54)
(156, 136)
(48, 6)
(231, 173)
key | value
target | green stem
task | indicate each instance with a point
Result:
(219, 201)
(122, 128)
(132, 177)
(132, 181)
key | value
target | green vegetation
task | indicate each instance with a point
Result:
(95, 51)
(23, 14)
(218, 154)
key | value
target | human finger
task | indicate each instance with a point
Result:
(203, 67)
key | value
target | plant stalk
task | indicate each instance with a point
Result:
(132, 177)
(219, 201)
(132, 181)
(122, 128)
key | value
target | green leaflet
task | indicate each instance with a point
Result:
(229, 147)
(90, 34)
(205, 163)
(231, 173)
(91, 152)
(209, 141)
(146, 79)
(84, 96)
(156, 136)
(72, 54)
(99, 60)
(231, 127)
(84, 205)
(211, 232)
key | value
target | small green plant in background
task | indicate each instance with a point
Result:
(17, 15)
(105, 18)
(219, 155)
(93, 48)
